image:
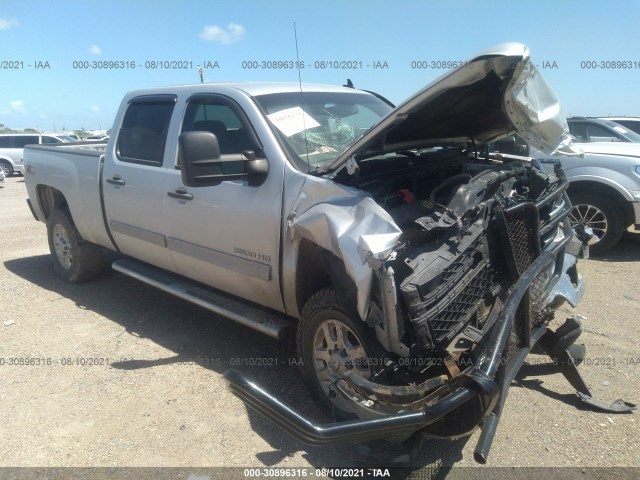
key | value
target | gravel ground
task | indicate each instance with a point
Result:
(126, 375)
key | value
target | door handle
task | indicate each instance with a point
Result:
(180, 194)
(116, 181)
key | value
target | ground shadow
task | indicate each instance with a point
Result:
(627, 250)
(197, 335)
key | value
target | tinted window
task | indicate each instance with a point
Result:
(144, 130)
(219, 116)
(630, 124)
(46, 139)
(6, 142)
(601, 134)
(21, 141)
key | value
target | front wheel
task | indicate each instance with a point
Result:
(330, 342)
(600, 213)
(7, 168)
(74, 259)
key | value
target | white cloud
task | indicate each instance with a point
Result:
(17, 106)
(95, 108)
(95, 50)
(7, 23)
(213, 33)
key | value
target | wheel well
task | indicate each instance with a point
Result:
(614, 195)
(50, 199)
(318, 268)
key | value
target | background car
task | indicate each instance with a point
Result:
(604, 184)
(12, 144)
(590, 130)
(632, 123)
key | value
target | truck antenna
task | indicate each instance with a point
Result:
(304, 127)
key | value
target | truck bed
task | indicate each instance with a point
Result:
(74, 169)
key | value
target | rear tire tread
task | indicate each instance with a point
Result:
(87, 256)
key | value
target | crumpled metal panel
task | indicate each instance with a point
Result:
(534, 109)
(349, 224)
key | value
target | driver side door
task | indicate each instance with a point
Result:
(227, 235)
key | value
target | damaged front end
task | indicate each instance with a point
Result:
(475, 301)
(458, 258)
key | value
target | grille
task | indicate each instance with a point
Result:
(447, 320)
(522, 232)
(537, 290)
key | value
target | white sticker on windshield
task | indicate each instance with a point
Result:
(620, 129)
(292, 120)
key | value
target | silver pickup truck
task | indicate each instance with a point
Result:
(417, 274)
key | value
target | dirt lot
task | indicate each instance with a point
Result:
(126, 375)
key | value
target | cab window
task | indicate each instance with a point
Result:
(143, 133)
(220, 116)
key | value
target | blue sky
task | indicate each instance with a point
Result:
(561, 35)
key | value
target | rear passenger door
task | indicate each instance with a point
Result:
(135, 181)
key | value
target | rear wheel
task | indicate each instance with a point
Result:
(74, 259)
(330, 342)
(600, 213)
(7, 168)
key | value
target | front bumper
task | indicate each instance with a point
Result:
(636, 214)
(475, 396)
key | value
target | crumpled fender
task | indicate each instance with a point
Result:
(349, 224)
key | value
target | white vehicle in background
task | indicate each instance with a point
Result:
(604, 181)
(604, 188)
(12, 144)
(600, 130)
(632, 123)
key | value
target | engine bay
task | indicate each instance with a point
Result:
(468, 224)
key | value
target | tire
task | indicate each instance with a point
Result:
(323, 322)
(599, 212)
(74, 259)
(7, 167)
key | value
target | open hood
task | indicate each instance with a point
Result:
(495, 94)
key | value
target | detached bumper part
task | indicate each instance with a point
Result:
(475, 384)
(401, 424)
(475, 397)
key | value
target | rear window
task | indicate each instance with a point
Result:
(143, 133)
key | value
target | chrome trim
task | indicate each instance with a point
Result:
(139, 233)
(221, 259)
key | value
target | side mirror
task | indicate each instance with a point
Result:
(199, 158)
(202, 164)
(256, 169)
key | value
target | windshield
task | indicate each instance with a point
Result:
(317, 127)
